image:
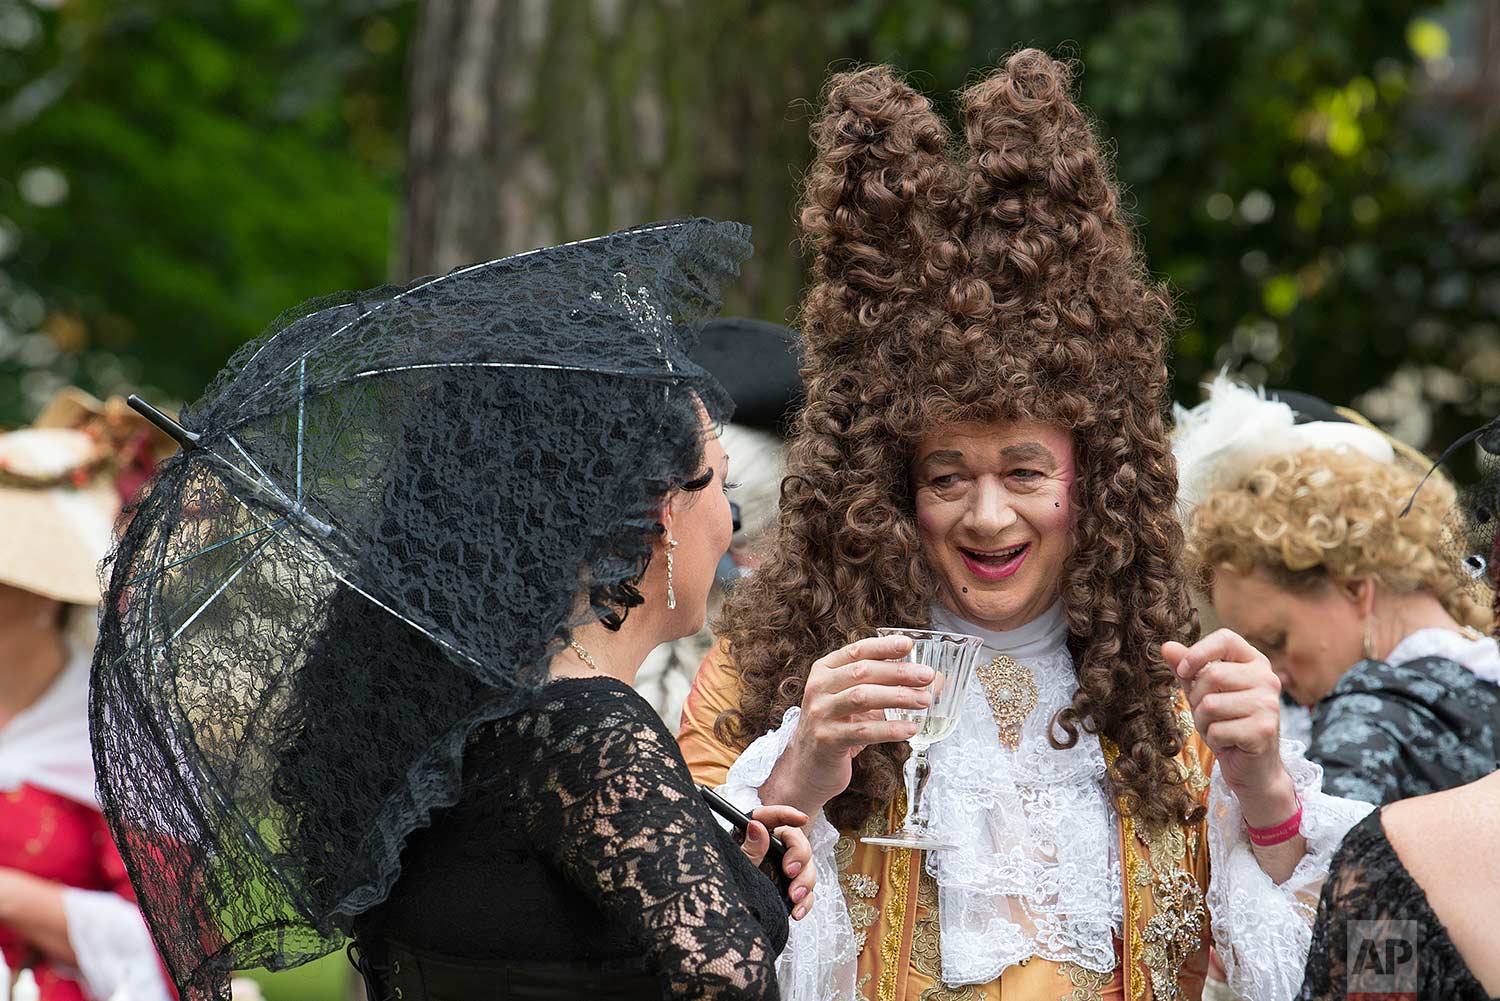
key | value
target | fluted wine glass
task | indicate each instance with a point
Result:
(952, 657)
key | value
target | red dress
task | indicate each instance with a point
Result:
(58, 839)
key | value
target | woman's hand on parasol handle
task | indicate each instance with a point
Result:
(801, 875)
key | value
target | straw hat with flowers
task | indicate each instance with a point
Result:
(62, 482)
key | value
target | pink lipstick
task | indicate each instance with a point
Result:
(997, 564)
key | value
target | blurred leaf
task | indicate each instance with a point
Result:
(1427, 38)
(215, 176)
(1280, 295)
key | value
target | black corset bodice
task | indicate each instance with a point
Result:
(580, 861)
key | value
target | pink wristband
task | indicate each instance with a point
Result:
(1265, 837)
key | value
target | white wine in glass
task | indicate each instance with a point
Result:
(952, 657)
(933, 728)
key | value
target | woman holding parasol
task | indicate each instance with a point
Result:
(366, 659)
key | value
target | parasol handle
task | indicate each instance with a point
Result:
(181, 435)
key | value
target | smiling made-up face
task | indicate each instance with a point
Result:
(995, 516)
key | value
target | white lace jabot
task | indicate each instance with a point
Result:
(1037, 870)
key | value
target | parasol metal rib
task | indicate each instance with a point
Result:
(245, 561)
(264, 527)
(267, 488)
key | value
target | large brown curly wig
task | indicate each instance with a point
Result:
(998, 282)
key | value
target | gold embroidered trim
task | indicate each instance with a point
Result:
(862, 915)
(895, 916)
(1193, 769)
(1088, 985)
(1134, 879)
(1168, 846)
(1185, 724)
(1137, 875)
(843, 852)
(859, 890)
(927, 946)
(899, 880)
(1172, 934)
(927, 943)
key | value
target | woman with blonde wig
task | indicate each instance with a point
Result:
(1406, 885)
(1302, 536)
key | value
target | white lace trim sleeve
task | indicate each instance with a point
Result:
(819, 961)
(114, 948)
(1262, 929)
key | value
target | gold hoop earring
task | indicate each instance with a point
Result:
(1369, 642)
(671, 592)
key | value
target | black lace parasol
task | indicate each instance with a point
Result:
(387, 514)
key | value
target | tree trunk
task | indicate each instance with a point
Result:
(534, 122)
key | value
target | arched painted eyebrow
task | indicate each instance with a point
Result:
(1029, 451)
(942, 457)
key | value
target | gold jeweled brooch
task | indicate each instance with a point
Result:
(1011, 691)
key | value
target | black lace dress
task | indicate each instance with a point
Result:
(580, 862)
(1376, 935)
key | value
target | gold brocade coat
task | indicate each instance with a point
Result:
(893, 903)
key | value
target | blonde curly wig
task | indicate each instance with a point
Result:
(1310, 515)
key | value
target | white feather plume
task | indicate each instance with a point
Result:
(1236, 426)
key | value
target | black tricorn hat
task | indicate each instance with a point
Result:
(758, 364)
(1307, 408)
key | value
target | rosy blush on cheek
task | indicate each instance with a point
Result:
(931, 523)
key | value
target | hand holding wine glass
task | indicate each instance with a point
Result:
(951, 656)
(844, 710)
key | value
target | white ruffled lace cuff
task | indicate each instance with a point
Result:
(819, 962)
(1262, 929)
(114, 948)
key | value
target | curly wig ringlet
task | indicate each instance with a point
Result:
(1307, 516)
(997, 284)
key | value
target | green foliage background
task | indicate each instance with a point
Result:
(1326, 219)
(173, 174)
